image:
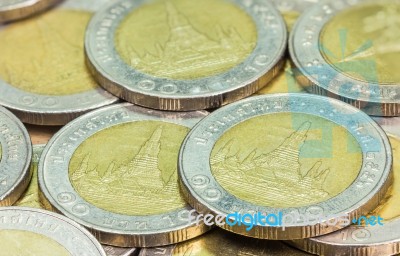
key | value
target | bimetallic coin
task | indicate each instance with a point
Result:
(292, 9)
(348, 50)
(28, 231)
(115, 171)
(283, 154)
(43, 76)
(222, 243)
(11, 10)
(371, 240)
(15, 158)
(30, 198)
(195, 57)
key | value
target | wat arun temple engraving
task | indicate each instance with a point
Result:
(136, 186)
(271, 178)
(189, 51)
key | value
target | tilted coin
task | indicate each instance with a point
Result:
(278, 161)
(368, 239)
(43, 77)
(221, 243)
(119, 251)
(349, 50)
(28, 231)
(11, 10)
(185, 55)
(30, 198)
(15, 158)
(115, 172)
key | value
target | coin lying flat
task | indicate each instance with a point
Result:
(28, 231)
(369, 240)
(11, 10)
(15, 157)
(196, 57)
(43, 77)
(30, 198)
(115, 172)
(349, 50)
(222, 243)
(283, 154)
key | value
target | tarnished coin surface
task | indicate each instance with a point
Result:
(273, 166)
(15, 158)
(29, 231)
(196, 57)
(222, 243)
(11, 10)
(114, 171)
(348, 49)
(372, 238)
(43, 76)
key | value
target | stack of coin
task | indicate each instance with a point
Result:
(187, 152)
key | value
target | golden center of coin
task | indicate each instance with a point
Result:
(20, 242)
(30, 198)
(180, 39)
(286, 160)
(390, 209)
(42, 55)
(138, 176)
(363, 42)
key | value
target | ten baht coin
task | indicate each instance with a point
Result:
(285, 165)
(185, 55)
(349, 50)
(15, 158)
(43, 77)
(11, 10)
(222, 243)
(28, 231)
(115, 172)
(378, 236)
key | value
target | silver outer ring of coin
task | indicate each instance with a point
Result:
(142, 89)
(11, 10)
(124, 230)
(54, 110)
(293, 5)
(16, 158)
(319, 77)
(119, 251)
(206, 195)
(74, 238)
(355, 240)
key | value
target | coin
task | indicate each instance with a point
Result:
(30, 198)
(348, 50)
(119, 251)
(114, 172)
(43, 77)
(292, 9)
(221, 243)
(15, 157)
(283, 154)
(11, 10)
(196, 57)
(43, 233)
(367, 240)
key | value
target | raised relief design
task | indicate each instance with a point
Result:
(273, 177)
(188, 48)
(43, 56)
(139, 186)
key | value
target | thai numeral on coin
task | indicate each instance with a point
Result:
(200, 181)
(357, 235)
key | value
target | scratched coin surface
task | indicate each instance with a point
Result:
(284, 154)
(222, 243)
(374, 240)
(196, 57)
(43, 76)
(11, 10)
(348, 50)
(128, 196)
(15, 158)
(29, 231)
